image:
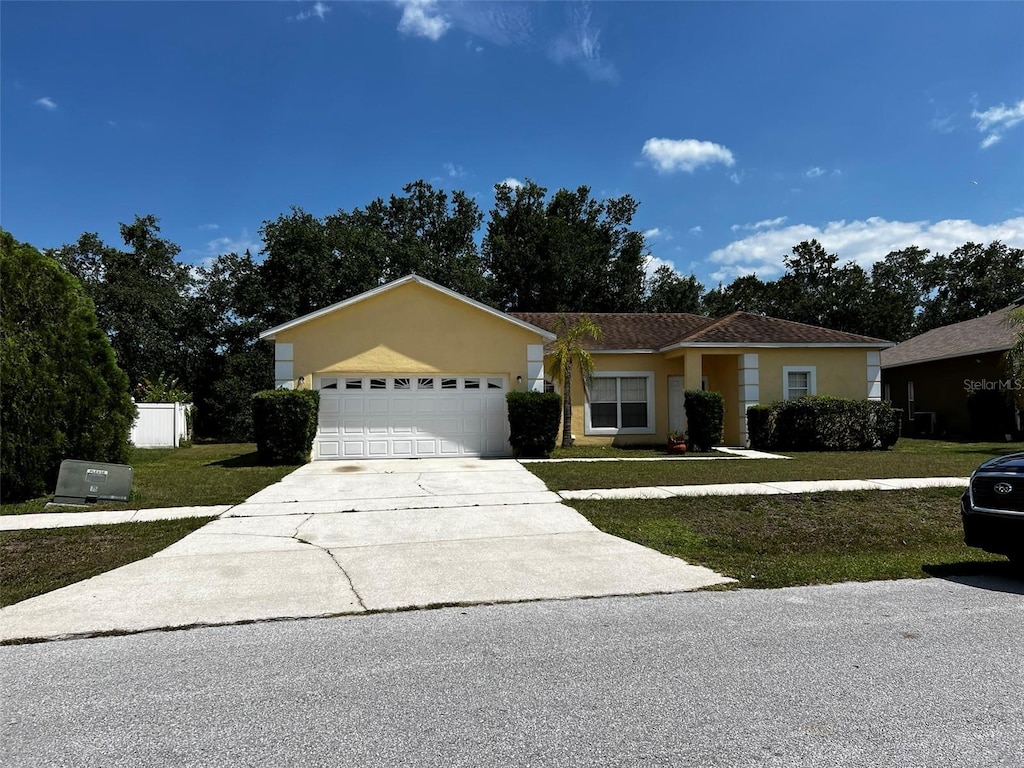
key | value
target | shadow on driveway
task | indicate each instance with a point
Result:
(998, 576)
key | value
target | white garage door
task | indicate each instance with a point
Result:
(411, 416)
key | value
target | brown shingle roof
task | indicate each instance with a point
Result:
(746, 327)
(625, 330)
(988, 333)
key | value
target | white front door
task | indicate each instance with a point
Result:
(411, 416)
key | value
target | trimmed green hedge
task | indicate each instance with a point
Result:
(822, 423)
(533, 419)
(705, 415)
(284, 422)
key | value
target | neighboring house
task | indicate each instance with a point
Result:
(931, 376)
(415, 369)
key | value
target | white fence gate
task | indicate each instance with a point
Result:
(160, 425)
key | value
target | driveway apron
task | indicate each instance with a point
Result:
(352, 536)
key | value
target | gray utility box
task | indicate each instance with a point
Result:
(81, 482)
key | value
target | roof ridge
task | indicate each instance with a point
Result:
(714, 324)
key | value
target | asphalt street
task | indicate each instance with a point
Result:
(909, 673)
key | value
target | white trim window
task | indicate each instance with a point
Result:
(799, 380)
(620, 403)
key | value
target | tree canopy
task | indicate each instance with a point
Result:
(63, 394)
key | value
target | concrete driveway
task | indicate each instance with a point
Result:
(349, 537)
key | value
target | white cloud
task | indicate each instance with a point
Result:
(863, 242)
(996, 121)
(651, 264)
(736, 178)
(763, 224)
(581, 45)
(454, 171)
(46, 103)
(512, 182)
(319, 10)
(239, 245)
(650, 234)
(670, 155)
(698, 230)
(421, 18)
(815, 172)
(208, 227)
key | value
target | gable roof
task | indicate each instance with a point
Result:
(662, 331)
(625, 330)
(988, 333)
(270, 333)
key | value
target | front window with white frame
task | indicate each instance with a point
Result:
(620, 403)
(798, 380)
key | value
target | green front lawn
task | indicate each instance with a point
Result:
(909, 458)
(821, 538)
(223, 473)
(34, 562)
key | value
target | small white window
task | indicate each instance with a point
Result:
(424, 383)
(401, 383)
(910, 400)
(328, 383)
(449, 383)
(471, 383)
(496, 383)
(798, 381)
(378, 383)
(353, 383)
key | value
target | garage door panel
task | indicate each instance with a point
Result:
(457, 416)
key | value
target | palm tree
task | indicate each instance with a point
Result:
(568, 353)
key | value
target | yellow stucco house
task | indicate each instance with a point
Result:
(413, 369)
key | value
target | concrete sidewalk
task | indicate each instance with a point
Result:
(765, 489)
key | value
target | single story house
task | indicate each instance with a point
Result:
(931, 376)
(414, 369)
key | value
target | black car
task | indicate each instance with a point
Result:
(992, 507)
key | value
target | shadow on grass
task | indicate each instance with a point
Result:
(997, 576)
(235, 462)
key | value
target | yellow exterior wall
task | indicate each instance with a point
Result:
(723, 377)
(410, 329)
(839, 372)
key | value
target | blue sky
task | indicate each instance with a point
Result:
(742, 128)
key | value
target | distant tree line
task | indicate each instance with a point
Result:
(560, 252)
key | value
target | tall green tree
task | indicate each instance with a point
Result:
(63, 395)
(1014, 359)
(969, 282)
(570, 353)
(566, 253)
(141, 297)
(747, 293)
(668, 291)
(897, 291)
(816, 290)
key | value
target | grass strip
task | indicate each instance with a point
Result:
(909, 458)
(199, 475)
(37, 561)
(791, 540)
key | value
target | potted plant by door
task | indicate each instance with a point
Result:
(676, 442)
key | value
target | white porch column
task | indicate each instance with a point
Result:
(284, 373)
(535, 367)
(750, 391)
(874, 375)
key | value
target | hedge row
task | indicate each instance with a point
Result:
(821, 423)
(284, 422)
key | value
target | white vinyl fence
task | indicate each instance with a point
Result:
(160, 425)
